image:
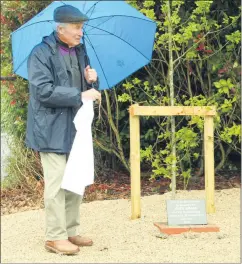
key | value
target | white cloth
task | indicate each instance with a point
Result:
(79, 171)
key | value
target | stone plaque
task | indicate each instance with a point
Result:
(186, 212)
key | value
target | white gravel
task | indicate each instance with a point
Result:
(117, 239)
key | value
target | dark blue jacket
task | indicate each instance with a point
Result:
(53, 103)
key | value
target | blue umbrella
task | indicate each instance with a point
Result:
(119, 39)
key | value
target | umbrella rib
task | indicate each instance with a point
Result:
(90, 43)
(124, 16)
(92, 7)
(86, 24)
(32, 25)
(122, 40)
(63, 2)
(102, 22)
(98, 34)
(116, 16)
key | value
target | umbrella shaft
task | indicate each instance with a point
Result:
(87, 61)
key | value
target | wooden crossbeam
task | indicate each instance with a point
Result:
(137, 110)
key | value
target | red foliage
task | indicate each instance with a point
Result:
(222, 71)
(20, 18)
(3, 19)
(208, 51)
(12, 103)
(11, 89)
(201, 47)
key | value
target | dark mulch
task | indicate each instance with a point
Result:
(113, 186)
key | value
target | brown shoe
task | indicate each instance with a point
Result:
(64, 247)
(80, 241)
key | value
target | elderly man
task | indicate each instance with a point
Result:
(58, 81)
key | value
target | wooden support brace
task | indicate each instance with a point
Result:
(135, 165)
(209, 163)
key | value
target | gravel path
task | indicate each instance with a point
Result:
(117, 239)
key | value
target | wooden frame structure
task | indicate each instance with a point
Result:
(135, 111)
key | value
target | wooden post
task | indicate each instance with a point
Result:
(209, 163)
(135, 164)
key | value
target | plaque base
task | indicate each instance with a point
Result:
(174, 230)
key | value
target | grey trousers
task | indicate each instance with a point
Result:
(62, 207)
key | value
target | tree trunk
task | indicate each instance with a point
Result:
(173, 126)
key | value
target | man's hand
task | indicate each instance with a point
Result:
(90, 74)
(91, 94)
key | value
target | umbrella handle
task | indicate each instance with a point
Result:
(86, 58)
(87, 62)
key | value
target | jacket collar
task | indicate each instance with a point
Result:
(59, 41)
(53, 40)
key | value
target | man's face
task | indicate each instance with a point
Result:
(71, 34)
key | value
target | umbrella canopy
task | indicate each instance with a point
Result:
(119, 39)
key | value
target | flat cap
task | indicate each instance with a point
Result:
(69, 14)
